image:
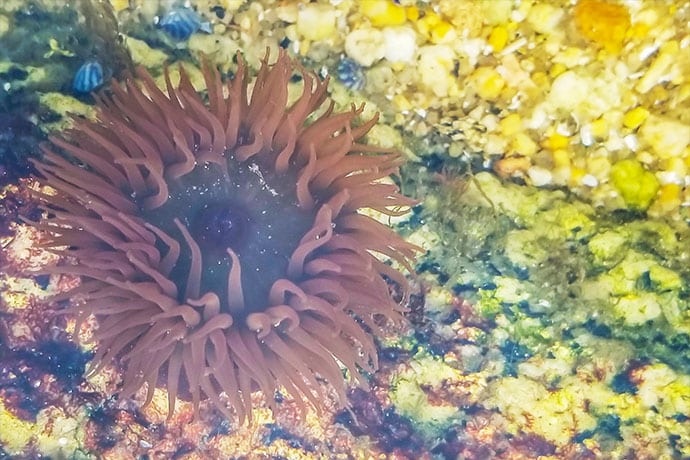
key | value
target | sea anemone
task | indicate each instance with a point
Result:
(220, 245)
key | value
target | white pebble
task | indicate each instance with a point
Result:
(586, 136)
(545, 18)
(614, 142)
(365, 46)
(568, 91)
(316, 21)
(669, 177)
(540, 176)
(400, 44)
(490, 122)
(471, 49)
(589, 180)
(435, 65)
(538, 119)
(668, 137)
(631, 142)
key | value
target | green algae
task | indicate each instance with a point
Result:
(575, 298)
(542, 255)
(570, 291)
(409, 394)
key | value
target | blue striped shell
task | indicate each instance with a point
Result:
(88, 77)
(181, 23)
(350, 74)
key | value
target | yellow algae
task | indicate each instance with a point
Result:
(524, 145)
(496, 12)
(426, 23)
(549, 369)
(383, 13)
(441, 32)
(606, 247)
(560, 158)
(599, 128)
(530, 407)
(621, 285)
(58, 434)
(670, 65)
(667, 137)
(510, 125)
(664, 279)
(143, 54)
(636, 185)
(411, 399)
(635, 117)
(510, 289)
(567, 219)
(219, 50)
(55, 48)
(15, 434)
(557, 69)
(4, 24)
(523, 251)
(64, 104)
(438, 300)
(545, 17)
(676, 167)
(556, 141)
(487, 82)
(667, 201)
(606, 24)
(412, 13)
(636, 310)
(435, 66)
(316, 21)
(119, 5)
(464, 15)
(385, 136)
(653, 388)
(402, 103)
(193, 73)
(498, 38)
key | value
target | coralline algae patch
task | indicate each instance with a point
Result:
(550, 323)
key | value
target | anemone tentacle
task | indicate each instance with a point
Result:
(220, 244)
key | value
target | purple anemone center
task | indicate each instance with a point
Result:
(220, 226)
(254, 213)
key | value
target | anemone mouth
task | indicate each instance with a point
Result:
(221, 225)
(251, 212)
(219, 244)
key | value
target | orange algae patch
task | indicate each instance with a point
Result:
(606, 24)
